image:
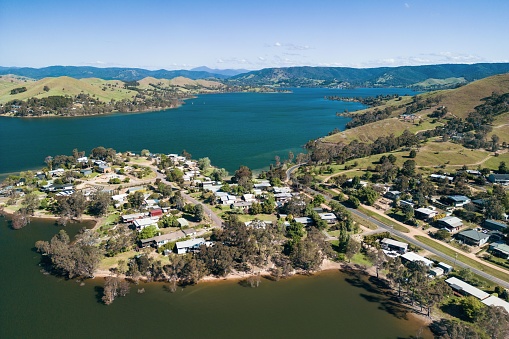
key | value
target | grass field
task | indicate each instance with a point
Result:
(384, 220)
(493, 162)
(464, 259)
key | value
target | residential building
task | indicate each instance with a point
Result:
(457, 200)
(413, 257)
(496, 301)
(189, 232)
(304, 220)
(466, 289)
(393, 195)
(189, 245)
(452, 224)
(425, 213)
(330, 218)
(183, 222)
(131, 217)
(473, 237)
(440, 178)
(494, 225)
(161, 240)
(502, 179)
(436, 272)
(393, 245)
(145, 222)
(500, 249)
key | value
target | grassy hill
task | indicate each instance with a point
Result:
(459, 101)
(103, 90)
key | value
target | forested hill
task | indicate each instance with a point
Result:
(419, 77)
(110, 73)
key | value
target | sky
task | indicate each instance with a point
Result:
(253, 34)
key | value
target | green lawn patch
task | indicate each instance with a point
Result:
(464, 259)
(385, 220)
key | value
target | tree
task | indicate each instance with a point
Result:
(114, 287)
(502, 168)
(408, 168)
(495, 321)
(472, 307)
(20, 219)
(408, 212)
(218, 174)
(136, 199)
(204, 163)
(378, 258)
(186, 154)
(353, 201)
(412, 154)
(443, 235)
(148, 232)
(353, 247)
(31, 202)
(243, 177)
(198, 212)
(99, 203)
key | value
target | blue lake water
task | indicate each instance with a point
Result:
(231, 129)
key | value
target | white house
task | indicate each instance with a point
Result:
(145, 222)
(189, 245)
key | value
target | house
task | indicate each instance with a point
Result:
(473, 238)
(103, 169)
(157, 212)
(134, 189)
(304, 220)
(330, 218)
(189, 245)
(161, 240)
(145, 222)
(86, 171)
(249, 198)
(502, 179)
(466, 289)
(189, 232)
(494, 225)
(282, 190)
(413, 257)
(406, 202)
(425, 213)
(183, 222)
(447, 268)
(393, 195)
(131, 217)
(82, 160)
(56, 173)
(452, 224)
(282, 196)
(393, 245)
(262, 185)
(500, 249)
(441, 178)
(496, 301)
(457, 200)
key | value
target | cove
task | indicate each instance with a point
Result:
(331, 304)
(232, 129)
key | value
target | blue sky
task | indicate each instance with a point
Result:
(182, 34)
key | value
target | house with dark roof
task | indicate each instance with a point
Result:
(457, 200)
(473, 237)
(499, 179)
(494, 225)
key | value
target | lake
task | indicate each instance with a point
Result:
(231, 129)
(331, 304)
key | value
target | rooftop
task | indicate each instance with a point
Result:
(460, 285)
(474, 235)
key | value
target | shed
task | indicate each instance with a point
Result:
(156, 212)
(425, 213)
(183, 222)
(436, 272)
(457, 200)
(189, 232)
(447, 268)
(304, 220)
(499, 178)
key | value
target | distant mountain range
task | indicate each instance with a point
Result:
(425, 77)
(419, 77)
(109, 73)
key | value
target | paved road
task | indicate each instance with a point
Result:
(217, 222)
(291, 169)
(430, 249)
(422, 245)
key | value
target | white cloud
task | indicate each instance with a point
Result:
(407, 5)
(277, 44)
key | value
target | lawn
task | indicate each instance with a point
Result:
(493, 162)
(385, 220)
(364, 222)
(464, 259)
